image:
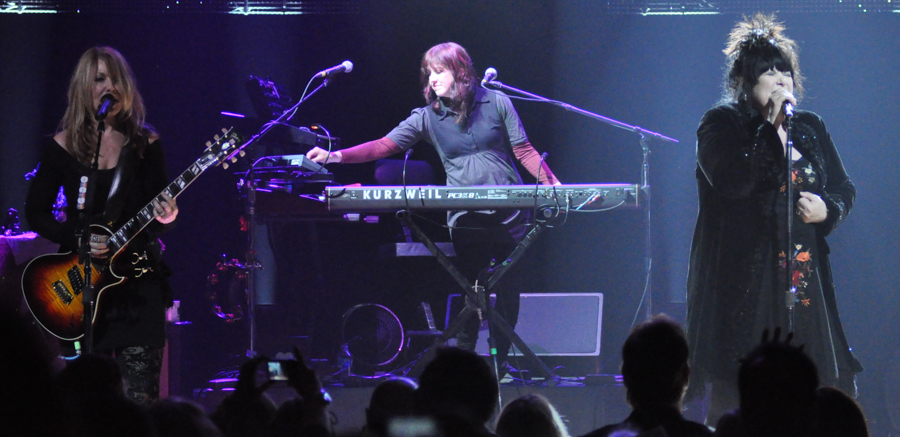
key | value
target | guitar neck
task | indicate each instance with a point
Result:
(144, 217)
(214, 154)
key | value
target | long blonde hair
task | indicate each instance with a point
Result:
(78, 123)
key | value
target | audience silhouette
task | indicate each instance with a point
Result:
(93, 400)
(174, 417)
(458, 389)
(655, 371)
(27, 379)
(456, 396)
(777, 384)
(838, 415)
(531, 415)
(391, 399)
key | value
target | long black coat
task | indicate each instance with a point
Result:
(740, 171)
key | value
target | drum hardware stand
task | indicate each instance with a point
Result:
(645, 135)
(250, 185)
(477, 302)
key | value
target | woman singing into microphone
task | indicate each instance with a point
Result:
(737, 281)
(130, 323)
(478, 135)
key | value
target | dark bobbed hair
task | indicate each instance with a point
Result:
(777, 383)
(453, 57)
(457, 383)
(755, 46)
(654, 363)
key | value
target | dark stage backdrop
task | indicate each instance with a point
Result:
(658, 72)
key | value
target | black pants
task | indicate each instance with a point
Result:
(478, 239)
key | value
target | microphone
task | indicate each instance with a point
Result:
(489, 75)
(543, 156)
(788, 110)
(106, 103)
(345, 67)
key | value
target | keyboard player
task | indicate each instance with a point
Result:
(477, 134)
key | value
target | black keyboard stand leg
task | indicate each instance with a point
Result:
(476, 303)
(470, 310)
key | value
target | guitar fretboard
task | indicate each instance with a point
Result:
(213, 155)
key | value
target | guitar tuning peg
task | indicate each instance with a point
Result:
(233, 159)
(208, 144)
(216, 137)
(242, 153)
(225, 165)
(224, 131)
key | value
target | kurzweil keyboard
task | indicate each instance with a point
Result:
(587, 197)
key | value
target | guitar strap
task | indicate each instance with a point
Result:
(126, 169)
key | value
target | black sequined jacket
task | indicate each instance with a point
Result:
(740, 172)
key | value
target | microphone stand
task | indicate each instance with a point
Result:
(791, 292)
(251, 262)
(88, 294)
(645, 136)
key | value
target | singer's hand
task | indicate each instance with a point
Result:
(776, 103)
(320, 155)
(811, 208)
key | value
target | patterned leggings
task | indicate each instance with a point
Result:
(140, 367)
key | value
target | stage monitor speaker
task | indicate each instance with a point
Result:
(551, 324)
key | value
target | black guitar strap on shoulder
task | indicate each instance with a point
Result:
(126, 169)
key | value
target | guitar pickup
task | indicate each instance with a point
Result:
(75, 280)
(63, 292)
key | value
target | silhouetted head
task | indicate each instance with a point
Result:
(457, 383)
(288, 420)
(531, 415)
(654, 363)
(838, 415)
(175, 417)
(392, 398)
(26, 378)
(777, 384)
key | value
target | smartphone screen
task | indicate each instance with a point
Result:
(275, 372)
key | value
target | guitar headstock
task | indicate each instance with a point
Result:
(226, 147)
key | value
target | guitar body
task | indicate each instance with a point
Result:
(52, 286)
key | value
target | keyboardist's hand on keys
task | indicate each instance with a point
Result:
(320, 155)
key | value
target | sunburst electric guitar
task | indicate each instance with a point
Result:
(53, 283)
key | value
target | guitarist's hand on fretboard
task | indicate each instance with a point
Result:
(98, 246)
(166, 210)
